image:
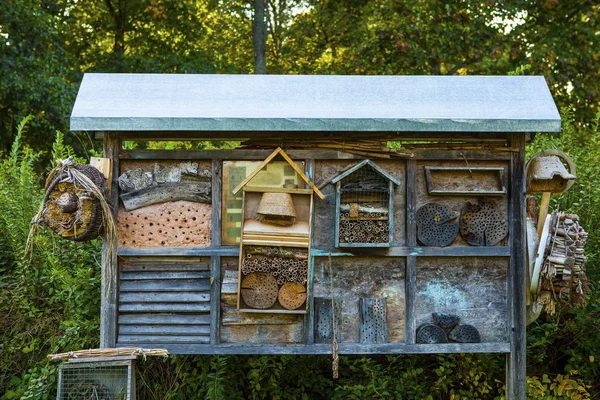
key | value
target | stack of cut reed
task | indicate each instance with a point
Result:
(366, 148)
(121, 351)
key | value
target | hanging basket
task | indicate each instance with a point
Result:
(73, 202)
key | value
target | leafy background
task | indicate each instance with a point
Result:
(49, 300)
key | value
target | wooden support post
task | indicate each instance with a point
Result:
(516, 385)
(411, 261)
(215, 287)
(110, 263)
(309, 334)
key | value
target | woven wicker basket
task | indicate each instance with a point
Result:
(276, 208)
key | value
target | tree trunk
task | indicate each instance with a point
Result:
(259, 35)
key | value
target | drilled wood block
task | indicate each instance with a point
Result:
(373, 320)
(472, 288)
(362, 277)
(451, 182)
(292, 295)
(176, 224)
(324, 325)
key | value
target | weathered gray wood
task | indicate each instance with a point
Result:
(163, 297)
(457, 251)
(110, 263)
(373, 320)
(140, 134)
(190, 191)
(158, 340)
(411, 202)
(174, 285)
(179, 251)
(215, 281)
(164, 319)
(356, 277)
(167, 330)
(394, 251)
(472, 288)
(344, 348)
(516, 385)
(155, 264)
(135, 276)
(411, 293)
(165, 307)
(309, 168)
(324, 313)
(483, 155)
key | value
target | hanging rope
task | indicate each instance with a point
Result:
(334, 344)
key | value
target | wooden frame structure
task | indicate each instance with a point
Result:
(485, 132)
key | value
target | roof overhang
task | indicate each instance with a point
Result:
(188, 102)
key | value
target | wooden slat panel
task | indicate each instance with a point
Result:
(133, 276)
(163, 267)
(169, 330)
(163, 297)
(124, 339)
(156, 319)
(165, 307)
(174, 285)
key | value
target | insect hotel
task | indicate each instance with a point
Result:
(383, 215)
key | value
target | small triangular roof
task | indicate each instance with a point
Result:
(287, 158)
(361, 164)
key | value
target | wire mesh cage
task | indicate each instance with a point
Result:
(96, 380)
(365, 207)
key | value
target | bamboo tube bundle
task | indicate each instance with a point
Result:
(364, 231)
(563, 277)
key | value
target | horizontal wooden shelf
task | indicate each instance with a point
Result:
(277, 190)
(272, 311)
(391, 251)
(344, 348)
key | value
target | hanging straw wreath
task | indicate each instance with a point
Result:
(75, 205)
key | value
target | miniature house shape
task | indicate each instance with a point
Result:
(364, 199)
(275, 244)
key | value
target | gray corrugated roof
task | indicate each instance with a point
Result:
(157, 102)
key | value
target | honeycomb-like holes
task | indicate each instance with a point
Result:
(374, 324)
(172, 224)
(483, 224)
(436, 225)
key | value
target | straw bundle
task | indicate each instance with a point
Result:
(122, 351)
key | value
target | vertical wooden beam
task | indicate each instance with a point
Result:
(410, 280)
(309, 334)
(516, 385)
(411, 202)
(215, 287)
(410, 293)
(110, 262)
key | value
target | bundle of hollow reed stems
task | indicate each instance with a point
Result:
(121, 351)
(367, 148)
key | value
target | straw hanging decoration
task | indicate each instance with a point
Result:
(75, 205)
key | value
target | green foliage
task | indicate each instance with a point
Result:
(49, 300)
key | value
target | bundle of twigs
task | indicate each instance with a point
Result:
(366, 148)
(122, 351)
(563, 276)
(375, 148)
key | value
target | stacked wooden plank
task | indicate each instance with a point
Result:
(258, 233)
(164, 302)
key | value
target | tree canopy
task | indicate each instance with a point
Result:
(45, 46)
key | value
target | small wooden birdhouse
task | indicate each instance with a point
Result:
(364, 206)
(275, 244)
(547, 173)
